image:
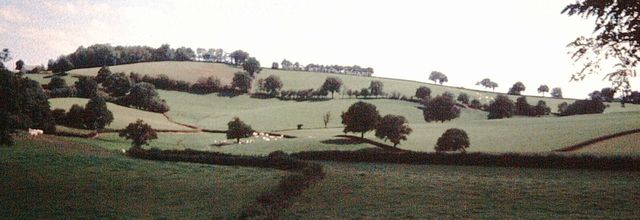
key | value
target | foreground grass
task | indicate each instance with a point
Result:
(122, 116)
(52, 178)
(385, 191)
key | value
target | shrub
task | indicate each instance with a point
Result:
(441, 108)
(272, 84)
(501, 107)
(241, 82)
(584, 107)
(453, 140)
(61, 92)
(360, 117)
(75, 117)
(423, 92)
(103, 74)
(139, 133)
(206, 85)
(332, 84)
(144, 96)
(464, 98)
(475, 104)
(522, 107)
(517, 88)
(540, 109)
(393, 128)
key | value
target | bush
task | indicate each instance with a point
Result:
(56, 82)
(103, 74)
(75, 117)
(475, 104)
(423, 92)
(464, 98)
(86, 87)
(61, 92)
(522, 107)
(206, 85)
(501, 107)
(97, 116)
(117, 84)
(584, 107)
(139, 133)
(453, 140)
(241, 82)
(144, 96)
(441, 108)
(540, 109)
(393, 128)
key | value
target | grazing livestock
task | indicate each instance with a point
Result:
(35, 132)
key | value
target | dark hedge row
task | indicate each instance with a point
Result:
(269, 204)
(477, 159)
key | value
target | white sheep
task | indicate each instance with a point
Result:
(35, 132)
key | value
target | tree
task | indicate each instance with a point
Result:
(241, 82)
(516, 89)
(117, 84)
(275, 66)
(139, 133)
(487, 83)
(164, 53)
(393, 128)
(542, 89)
(325, 118)
(238, 129)
(287, 65)
(75, 117)
(360, 117)
(423, 92)
(607, 94)
(493, 86)
(5, 56)
(562, 107)
(540, 109)
(441, 108)
(463, 97)
(453, 140)
(23, 105)
(97, 115)
(62, 65)
(332, 84)
(556, 92)
(522, 106)
(617, 37)
(272, 84)
(86, 87)
(438, 77)
(501, 107)
(144, 96)
(584, 107)
(184, 54)
(376, 88)
(252, 66)
(19, 65)
(103, 73)
(57, 82)
(364, 92)
(239, 57)
(475, 104)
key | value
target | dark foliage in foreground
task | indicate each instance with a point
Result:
(477, 159)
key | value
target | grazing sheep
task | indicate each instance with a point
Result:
(35, 132)
(124, 151)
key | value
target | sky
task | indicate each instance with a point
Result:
(468, 40)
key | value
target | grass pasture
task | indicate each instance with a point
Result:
(178, 70)
(48, 177)
(122, 116)
(391, 191)
(623, 145)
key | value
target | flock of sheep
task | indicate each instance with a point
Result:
(256, 136)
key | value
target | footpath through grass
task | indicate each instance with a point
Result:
(52, 178)
(363, 190)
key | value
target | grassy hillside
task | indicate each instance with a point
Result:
(187, 71)
(623, 145)
(48, 177)
(383, 191)
(122, 116)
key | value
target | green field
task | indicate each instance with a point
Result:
(49, 177)
(122, 116)
(187, 71)
(384, 191)
(623, 145)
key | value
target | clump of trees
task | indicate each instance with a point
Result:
(238, 129)
(516, 89)
(463, 97)
(24, 105)
(441, 108)
(94, 115)
(376, 87)
(522, 107)
(487, 83)
(604, 95)
(348, 70)
(438, 77)
(139, 133)
(580, 107)
(423, 92)
(556, 92)
(241, 82)
(360, 117)
(453, 140)
(145, 97)
(394, 128)
(272, 84)
(501, 107)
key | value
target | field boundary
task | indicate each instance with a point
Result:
(596, 140)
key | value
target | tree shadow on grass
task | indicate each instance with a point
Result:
(342, 141)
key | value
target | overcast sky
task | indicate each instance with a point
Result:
(504, 40)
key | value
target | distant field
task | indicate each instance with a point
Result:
(44, 79)
(187, 71)
(51, 178)
(623, 145)
(383, 191)
(122, 116)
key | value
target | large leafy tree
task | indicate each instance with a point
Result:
(376, 87)
(393, 128)
(616, 36)
(332, 84)
(453, 140)
(139, 133)
(517, 88)
(103, 73)
(117, 84)
(19, 65)
(543, 89)
(252, 66)
(272, 84)
(239, 57)
(97, 115)
(441, 108)
(438, 77)
(360, 117)
(556, 92)
(501, 107)
(86, 87)
(238, 129)
(241, 81)
(57, 82)
(423, 92)
(61, 65)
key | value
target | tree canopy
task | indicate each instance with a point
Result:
(393, 128)
(543, 89)
(453, 140)
(238, 129)
(501, 107)
(242, 82)
(139, 133)
(438, 77)
(332, 84)
(360, 117)
(441, 108)
(97, 116)
(423, 92)
(516, 89)
(252, 66)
